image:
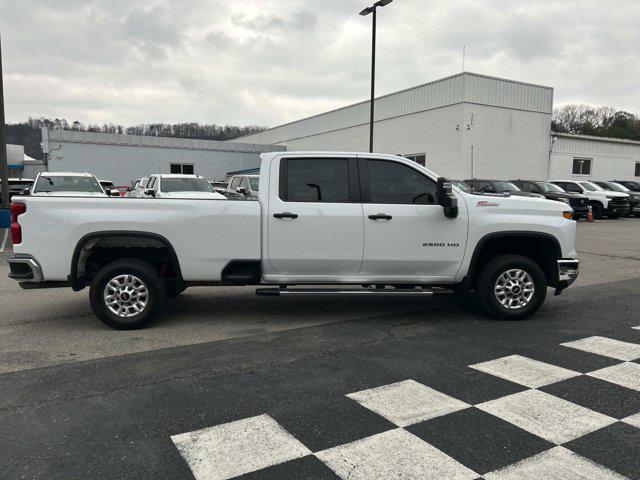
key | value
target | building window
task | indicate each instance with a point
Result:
(182, 168)
(582, 166)
(637, 169)
(419, 158)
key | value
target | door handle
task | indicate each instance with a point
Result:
(285, 215)
(380, 216)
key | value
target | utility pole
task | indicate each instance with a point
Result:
(4, 185)
(373, 9)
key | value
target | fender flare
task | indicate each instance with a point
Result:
(78, 283)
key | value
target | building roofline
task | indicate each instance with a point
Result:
(416, 87)
(594, 138)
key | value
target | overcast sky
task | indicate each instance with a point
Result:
(271, 61)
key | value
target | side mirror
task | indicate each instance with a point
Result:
(446, 199)
(241, 190)
(151, 193)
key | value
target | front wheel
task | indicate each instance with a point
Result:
(127, 294)
(511, 287)
(598, 211)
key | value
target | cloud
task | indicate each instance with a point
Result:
(251, 61)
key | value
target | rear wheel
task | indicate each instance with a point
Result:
(127, 294)
(511, 287)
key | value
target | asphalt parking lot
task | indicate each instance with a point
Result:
(228, 384)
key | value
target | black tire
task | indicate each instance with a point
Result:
(598, 211)
(147, 275)
(488, 278)
(613, 216)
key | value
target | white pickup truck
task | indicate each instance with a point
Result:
(324, 223)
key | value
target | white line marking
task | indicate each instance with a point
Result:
(546, 416)
(607, 347)
(625, 374)
(633, 420)
(636, 328)
(555, 464)
(4, 240)
(525, 371)
(408, 402)
(232, 449)
(396, 454)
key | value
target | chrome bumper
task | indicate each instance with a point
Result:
(25, 268)
(568, 271)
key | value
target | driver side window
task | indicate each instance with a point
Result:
(395, 183)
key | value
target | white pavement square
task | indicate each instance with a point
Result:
(408, 402)
(396, 454)
(625, 374)
(231, 449)
(546, 416)
(607, 347)
(525, 371)
(633, 420)
(555, 464)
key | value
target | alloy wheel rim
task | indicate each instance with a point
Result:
(126, 295)
(514, 289)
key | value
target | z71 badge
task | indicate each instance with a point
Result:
(487, 203)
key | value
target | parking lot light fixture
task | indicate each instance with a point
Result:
(373, 9)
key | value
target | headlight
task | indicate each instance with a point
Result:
(565, 200)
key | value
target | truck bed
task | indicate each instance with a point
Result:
(205, 234)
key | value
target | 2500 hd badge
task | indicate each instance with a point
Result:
(443, 244)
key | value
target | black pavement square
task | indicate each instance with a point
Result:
(331, 422)
(616, 447)
(566, 357)
(469, 385)
(479, 440)
(604, 397)
(308, 468)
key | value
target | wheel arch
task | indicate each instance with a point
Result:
(541, 247)
(128, 239)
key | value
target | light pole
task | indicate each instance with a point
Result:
(373, 9)
(4, 183)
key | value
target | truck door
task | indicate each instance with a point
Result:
(406, 233)
(315, 217)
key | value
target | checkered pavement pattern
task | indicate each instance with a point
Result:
(559, 424)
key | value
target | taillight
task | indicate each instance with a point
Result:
(17, 209)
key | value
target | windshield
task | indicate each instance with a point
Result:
(592, 187)
(504, 187)
(616, 187)
(461, 185)
(193, 184)
(254, 182)
(634, 185)
(62, 183)
(550, 187)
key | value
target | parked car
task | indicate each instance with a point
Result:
(246, 185)
(498, 186)
(634, 197)
(603, 202)
(180, 186)
(18, 186)
(109, 187)
(397, 226)
(67, 184)
(220, 187)
(137, 188)
(632, 185)
(550, 191)
(461, 185)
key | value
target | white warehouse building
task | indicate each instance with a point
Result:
(123, 158)
(463, 126)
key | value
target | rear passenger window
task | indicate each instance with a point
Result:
(315, 180)
(395, 183)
